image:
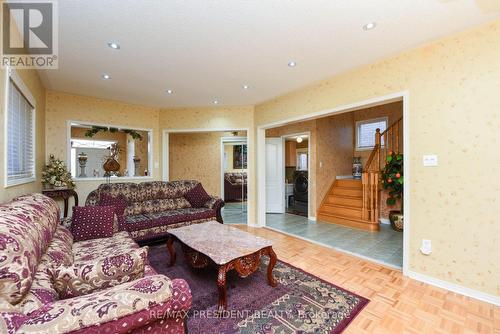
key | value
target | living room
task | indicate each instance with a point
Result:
(203, 68)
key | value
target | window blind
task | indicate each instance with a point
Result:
(20, 137)
(366, 132)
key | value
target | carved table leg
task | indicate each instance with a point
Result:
(221, 284)
(171, 250)
(272, 262)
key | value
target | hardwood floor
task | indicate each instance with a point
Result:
(397, 304)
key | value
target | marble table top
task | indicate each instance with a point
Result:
(222, 243)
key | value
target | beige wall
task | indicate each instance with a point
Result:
(197, 156)
(62, 107)
(334, 151)
(453, 87)
(34, 84)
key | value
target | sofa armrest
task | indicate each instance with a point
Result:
(120, 309)
(216, 204)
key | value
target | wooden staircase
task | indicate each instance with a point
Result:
(343, 205)
(356, 203)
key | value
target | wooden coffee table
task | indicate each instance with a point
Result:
(225, 246)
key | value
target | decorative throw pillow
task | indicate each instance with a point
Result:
(120, 203)
(92, 222)
(84, 278)
(197, 196)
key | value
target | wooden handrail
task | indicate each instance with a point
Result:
(371, 175)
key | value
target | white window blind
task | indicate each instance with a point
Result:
(365, 132)
(20, 137)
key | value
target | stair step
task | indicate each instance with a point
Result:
(355, 223)
(348, 183)
(354, 201)
(341, 210)
(347, 191)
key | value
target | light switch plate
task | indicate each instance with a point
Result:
(430, 160)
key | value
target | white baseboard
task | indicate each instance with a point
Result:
(312, 218)
(384, 221)
(485, 297)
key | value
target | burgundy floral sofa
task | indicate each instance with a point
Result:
(32, 244)
(235, 186)
(152, 208)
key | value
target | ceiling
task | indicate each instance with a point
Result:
(206, 50)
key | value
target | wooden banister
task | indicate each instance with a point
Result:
(385, 141)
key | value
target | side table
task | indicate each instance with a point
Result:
(65, 194)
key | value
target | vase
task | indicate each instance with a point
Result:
(111, 165)
(357, 168)
(397, 220)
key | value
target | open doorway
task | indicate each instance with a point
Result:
(347, 195)
(208, 157)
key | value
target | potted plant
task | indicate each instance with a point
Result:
(393, 182)
(56, 175)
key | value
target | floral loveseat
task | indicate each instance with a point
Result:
(235, 186)
(152, 208)
(32, 243)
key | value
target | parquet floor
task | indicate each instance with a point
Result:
(397, 304)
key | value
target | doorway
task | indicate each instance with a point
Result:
(207, 156)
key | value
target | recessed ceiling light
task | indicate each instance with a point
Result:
(245, 87)
(292, 64)
(369, 26)
(299, 139)
(216, 101)
(106, 76)
(169, 91)
(114, 45)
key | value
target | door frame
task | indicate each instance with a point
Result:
(379, 100)
(166, 155)
(229, 140)
(310, 213)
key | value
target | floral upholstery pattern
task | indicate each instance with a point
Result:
(27, 225)
(119, 203)
(32, 244)
(100, 307)
(87, 277)
(152, 207)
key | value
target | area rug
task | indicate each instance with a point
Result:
(301, 303)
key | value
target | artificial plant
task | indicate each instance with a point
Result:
(56, 174)
(392, 178)
(96, 129)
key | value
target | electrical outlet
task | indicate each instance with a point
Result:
(430, 160)
(426, 247)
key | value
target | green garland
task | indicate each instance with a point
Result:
(96, 129)
(392, 178)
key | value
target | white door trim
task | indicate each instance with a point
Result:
(398, 96)
(310, 171)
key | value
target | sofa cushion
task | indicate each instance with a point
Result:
(87, 277)
(97, 249)
(27, 225)
(119, 203)
(157, 205)
(11, 317)
(135, 223)
(90, 222)
(197, 196)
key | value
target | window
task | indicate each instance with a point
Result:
(20, 133)
(302, 158)
(365, 132)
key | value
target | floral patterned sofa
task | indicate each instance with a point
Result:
(32, 243)
(152, 208)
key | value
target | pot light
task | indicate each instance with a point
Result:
(216, 101)
(114, 45)
(245, 87)
(292, 64)
(299, 139)
(106, 76)
(169, 91)
(369, 26)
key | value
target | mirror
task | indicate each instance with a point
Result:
(98, 151)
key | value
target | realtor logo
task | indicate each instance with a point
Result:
(29, 34)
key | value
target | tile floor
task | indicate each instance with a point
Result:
(235, 213)
(385, 246)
